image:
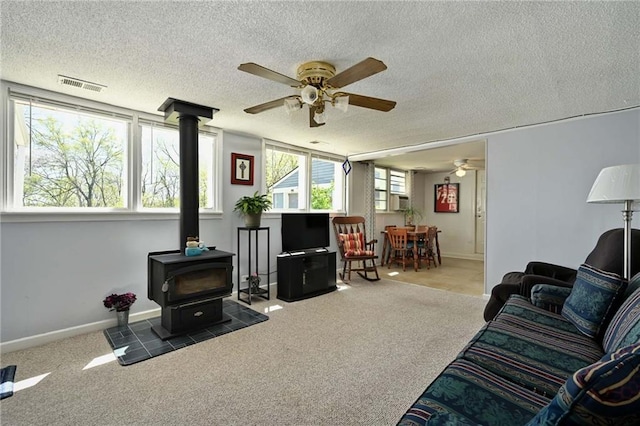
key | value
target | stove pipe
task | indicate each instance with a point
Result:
(188, 116)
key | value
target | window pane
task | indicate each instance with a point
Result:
(380, 183)
(327, 183)
(161, 167)
(380, 180)
(381, 200)
(285, 173)
(67, 158)
(397, 182)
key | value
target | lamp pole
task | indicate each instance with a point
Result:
(627, 213)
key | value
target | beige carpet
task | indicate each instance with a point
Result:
(359, 356)
(457, 275)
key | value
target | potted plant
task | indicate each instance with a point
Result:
(251, 207)
(411, 215)
(121, 304)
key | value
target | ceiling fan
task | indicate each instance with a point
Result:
(462, 166)
(317, 82)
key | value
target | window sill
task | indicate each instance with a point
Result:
(101, 216)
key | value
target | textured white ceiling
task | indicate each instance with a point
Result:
(454, 68)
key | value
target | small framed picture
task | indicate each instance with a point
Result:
(241, 169)
(445, 197)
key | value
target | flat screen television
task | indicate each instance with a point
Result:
(303, 231)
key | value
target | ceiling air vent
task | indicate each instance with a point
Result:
(80, 84)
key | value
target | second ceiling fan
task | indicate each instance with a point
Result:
(318, 82)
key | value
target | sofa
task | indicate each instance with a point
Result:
(607, 255)
(564, 356)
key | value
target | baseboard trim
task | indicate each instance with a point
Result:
(52, 336)
(466, 256)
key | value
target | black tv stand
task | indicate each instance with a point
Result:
(306, 273)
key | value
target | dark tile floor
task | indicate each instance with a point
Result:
(137, 342)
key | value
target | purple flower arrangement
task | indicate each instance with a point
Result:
(119, 302)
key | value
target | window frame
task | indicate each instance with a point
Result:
(9, 212)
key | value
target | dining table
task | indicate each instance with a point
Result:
(412, 235)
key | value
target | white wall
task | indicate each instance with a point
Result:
(538, 180)
(54, 275)
(457, 238)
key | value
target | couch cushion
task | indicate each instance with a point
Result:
(519, 311)
(549, 297)
(604, 393)
(535, 356)
(594, 297)
(466, 390)
(450, 419)
(624, 328)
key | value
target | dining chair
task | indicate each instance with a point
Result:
(386, 245)
(429, 249)
(400, 247)
(420, 241)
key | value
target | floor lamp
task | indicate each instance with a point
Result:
(619, 185)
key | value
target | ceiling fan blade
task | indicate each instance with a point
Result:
(268, 105)
(364, 69)
(369, 102)
(260, 71)
(312, 122)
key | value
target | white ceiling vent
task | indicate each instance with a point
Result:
(80, 84)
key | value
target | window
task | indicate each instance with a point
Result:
(299, 180)
(327, 183)
(160, 180)
(387, 182)
(73, 155)
(68, 158)
(397, 182)
(284, 171)
(380, 188)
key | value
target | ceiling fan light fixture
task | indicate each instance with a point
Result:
(320, 117)
(309, 94)
(341, 103)
(292, 105)
(461, 172)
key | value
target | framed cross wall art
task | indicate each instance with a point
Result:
(445, 197)
(241, 169)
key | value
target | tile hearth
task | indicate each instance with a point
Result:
(137, 342)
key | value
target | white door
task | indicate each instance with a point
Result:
(480, 209)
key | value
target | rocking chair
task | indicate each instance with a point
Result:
(350, 236)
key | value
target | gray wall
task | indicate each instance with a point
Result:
(538, 180)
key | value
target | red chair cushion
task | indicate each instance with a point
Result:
(353, 245)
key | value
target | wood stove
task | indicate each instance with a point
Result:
(189, 289)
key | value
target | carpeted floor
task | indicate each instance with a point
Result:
(358, 356)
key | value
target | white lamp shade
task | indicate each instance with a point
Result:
(461, 172)
(309, 94)
(342, 103)
(616, 184)
(292, 105)
(320, 117)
